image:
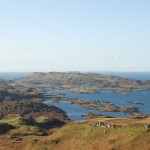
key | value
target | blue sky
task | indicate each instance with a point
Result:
(74, 35)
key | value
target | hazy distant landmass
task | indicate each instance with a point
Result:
(133, 75)
(13, 75)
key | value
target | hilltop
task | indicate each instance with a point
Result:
(101, 133)
(84, 82)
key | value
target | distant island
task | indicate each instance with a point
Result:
(85, 82)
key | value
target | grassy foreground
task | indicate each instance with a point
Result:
(130, 134)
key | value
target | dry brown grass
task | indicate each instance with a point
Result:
(82, 136)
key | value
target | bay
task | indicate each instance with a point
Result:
(75, 111)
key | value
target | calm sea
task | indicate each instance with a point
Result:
(74, 111)
(133, 75)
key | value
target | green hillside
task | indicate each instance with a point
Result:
(120, 134)
(85, 82)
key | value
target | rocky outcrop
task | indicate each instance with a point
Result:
(104, 125)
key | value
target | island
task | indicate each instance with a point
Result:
(84, 82)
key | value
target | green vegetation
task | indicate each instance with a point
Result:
(4, 85)
(11, 121)
(85, 82)
(26, 107)
(128, 134)
(25, 126)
